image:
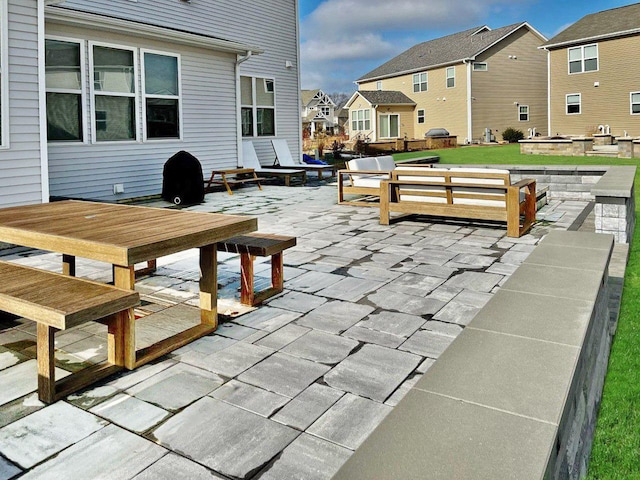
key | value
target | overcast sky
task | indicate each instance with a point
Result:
(341, 40)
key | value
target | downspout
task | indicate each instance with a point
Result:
(300, 137)
(239, 60)
(549, 93)
(469, 103)
(374, 122)
(42, 102)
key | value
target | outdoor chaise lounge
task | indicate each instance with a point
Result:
(476, 193)
(250, 160)
(363, 177)
(286, 160)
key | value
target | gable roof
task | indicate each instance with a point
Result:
(382, 97)
(601, 25)
(307, 96)
(451, 49)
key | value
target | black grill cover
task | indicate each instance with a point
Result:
(182, 181)
(437, 132)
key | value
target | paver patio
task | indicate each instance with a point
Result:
(287, 390)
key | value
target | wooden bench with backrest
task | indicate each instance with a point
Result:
(58, 302)
(363, 177)
(474, 193)
(258, 245)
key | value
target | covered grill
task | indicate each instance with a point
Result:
(437, 132)
(182, 180)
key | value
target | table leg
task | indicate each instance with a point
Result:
(209, 285)
(246, 278)
(124, 277)
(46, 363)
(68, 265)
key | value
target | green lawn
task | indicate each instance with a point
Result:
(616, 449)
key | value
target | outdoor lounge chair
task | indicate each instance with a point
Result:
(286, 160)
(250, 160)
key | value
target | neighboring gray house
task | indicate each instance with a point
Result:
(95, 96)
(319, 112)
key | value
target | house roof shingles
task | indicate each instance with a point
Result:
(441, 51)
(389, 97)
(601, 24)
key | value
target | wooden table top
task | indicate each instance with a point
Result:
(114, 233)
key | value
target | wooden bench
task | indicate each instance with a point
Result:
(238, 176)
(475, 193)
(258, 245)
(58, 302)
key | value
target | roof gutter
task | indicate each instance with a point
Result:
(605, 36)
(414, 70)
(66, 16)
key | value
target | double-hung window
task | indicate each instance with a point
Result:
(4, 79)
(420, 82)
(523, 113)
(389, 126)
(64, 64)
(583, 59)
(379, 85)
(258, 107)
(635, 103)
(161, 93)
(361, 120)
(420, 116)
(114, 92)
(574, 101)
(451, 77)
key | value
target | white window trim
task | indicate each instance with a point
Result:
(519, 113)
(631, 102)
(83, 88)
(418, 116)
(420, 82)
(379, 85)
(582, 59)
(136, 93)
(485, 69)
(254, 106)
(4, 74)
(566, 103)
(354, 118)
(453, 69)
(171, 97)
(389, 115)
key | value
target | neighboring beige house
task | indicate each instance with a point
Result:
(319, 112)
(467, 82)
(594, 74)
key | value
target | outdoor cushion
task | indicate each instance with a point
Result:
(485, 181)
(385, 163)
(370, 181)
(365, 163)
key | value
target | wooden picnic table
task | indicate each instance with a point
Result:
(124, 235)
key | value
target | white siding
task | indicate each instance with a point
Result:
(208, 85)
(20, 179)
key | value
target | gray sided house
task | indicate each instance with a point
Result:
(96, 96)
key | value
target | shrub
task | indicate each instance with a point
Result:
(337, 147)
(512, 135)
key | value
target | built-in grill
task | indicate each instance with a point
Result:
(437, 132)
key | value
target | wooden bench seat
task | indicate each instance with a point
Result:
(474, 193)
(58, 302)
(234, 176)
(258, 245)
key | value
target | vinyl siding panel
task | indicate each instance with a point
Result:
(439, 113)
(209, 92)
(618, 74)
(507, 81)
(20, 170)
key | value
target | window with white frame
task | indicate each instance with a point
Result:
(574, 101)
(64, 86)
(326, 111)
(635, 103)
(258, 106)
(379, 85)
(114, 92)
(583, 59)
(4, 79)
(389, 126)
(420, 116)
(523, 113)
(480, 67)
(361, 119)
(420, 82)
(451, 77)
(161, 93)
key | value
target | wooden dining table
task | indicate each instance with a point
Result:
(124, 235)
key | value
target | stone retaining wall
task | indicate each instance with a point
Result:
(615, 203)
(516, 394)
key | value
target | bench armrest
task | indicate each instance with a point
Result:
(525, 182)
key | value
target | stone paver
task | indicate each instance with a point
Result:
(7, 469)
(350, 288)
(312, 282)
(250, 398)
(267, 318)
(414, 284)
(350, 421)
(321, 347)
(427, 343)
(284, 336)
(130, 412)
(297, 302)
(335, 316)
(480, 282)
(307, 458)
(305, 409)
(373, 372)
(234, 443)
(411, 304)
(233, 360)
(399, 324)
(21, 379)
(284, 374)
(172, 467)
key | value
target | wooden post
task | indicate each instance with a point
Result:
(124, 277)
(68, 265)
(513, 212)
(246, 278)
(340, 187)
(46, 363)
(384, 202)
(277, 272)
(208, 285)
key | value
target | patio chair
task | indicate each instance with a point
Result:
(250, 160)
(286, 160)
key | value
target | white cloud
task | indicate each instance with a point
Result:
(344, 48)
